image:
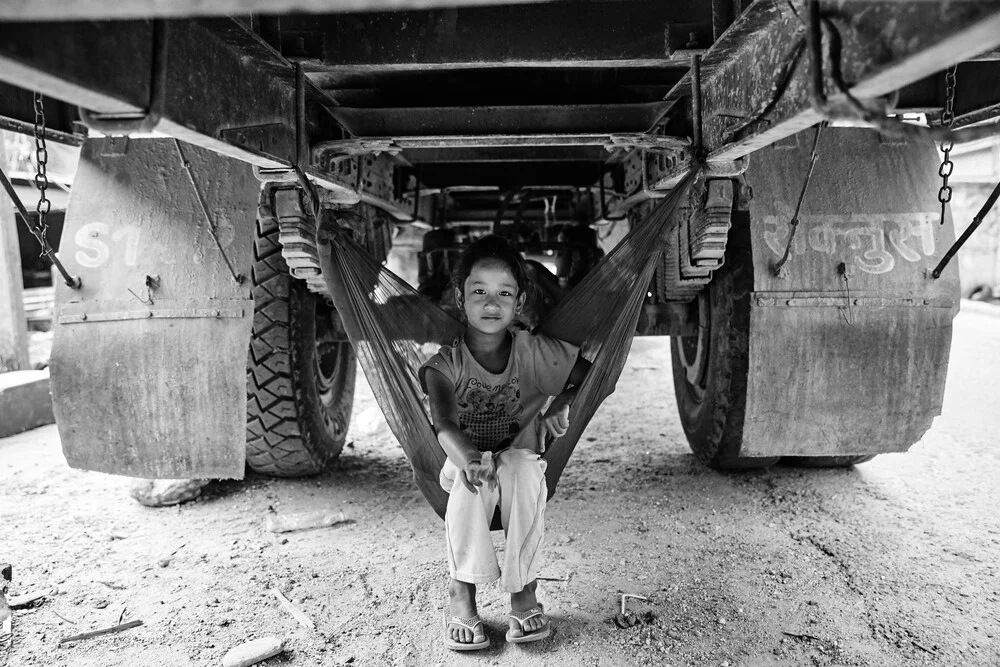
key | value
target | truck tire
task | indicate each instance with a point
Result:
(300, 372)
(825, 461)
(710, 368)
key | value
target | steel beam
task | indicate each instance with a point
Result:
(485, 120)
(977, 94)
(222, 89)
(108, 68)
(886, 45)
(60, 10)
(17, 114)
(327, 150)
(562, 34)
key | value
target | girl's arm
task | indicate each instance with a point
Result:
(580, 370)
(555, 421)
(456, 444)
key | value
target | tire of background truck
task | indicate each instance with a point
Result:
(710, 368)
(300, 373)
(825, 461)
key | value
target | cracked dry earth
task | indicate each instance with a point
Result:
(891, 563)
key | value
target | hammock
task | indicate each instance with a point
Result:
(387, 321)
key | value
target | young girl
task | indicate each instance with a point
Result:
(486, 395)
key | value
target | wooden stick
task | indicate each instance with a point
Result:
(26, 599)
(798, 636)
(64, 618)
(102, 631)
(287, 605)
(109, 584)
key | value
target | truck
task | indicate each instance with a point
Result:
(802, 283)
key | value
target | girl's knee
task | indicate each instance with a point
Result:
(521, 465)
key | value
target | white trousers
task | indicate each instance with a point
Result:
(520, 493)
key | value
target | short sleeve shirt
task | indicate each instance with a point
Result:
(493, 407)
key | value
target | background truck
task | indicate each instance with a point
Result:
(797, 285)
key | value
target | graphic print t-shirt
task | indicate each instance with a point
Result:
(493, 407)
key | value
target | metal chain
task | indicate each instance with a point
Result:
(947, 120)
(41, 167)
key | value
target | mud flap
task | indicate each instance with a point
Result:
(148, 366)
(849, 349)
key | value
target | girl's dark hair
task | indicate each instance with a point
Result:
(492, 247)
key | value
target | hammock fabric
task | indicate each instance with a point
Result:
(387, 321)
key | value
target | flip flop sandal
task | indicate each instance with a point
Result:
(471, 624)
(534, 635)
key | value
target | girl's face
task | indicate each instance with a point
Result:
(491, 298)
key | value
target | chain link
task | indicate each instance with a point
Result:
(947, 120)
(41, 168)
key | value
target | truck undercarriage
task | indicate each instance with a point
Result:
(797, 285)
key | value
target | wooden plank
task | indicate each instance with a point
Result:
(13, 325)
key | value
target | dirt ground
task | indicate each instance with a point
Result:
(891, 563)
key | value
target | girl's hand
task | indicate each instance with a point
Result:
(555, 422)
(475, 473)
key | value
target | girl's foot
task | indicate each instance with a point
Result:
(462, 604)
(524, 601)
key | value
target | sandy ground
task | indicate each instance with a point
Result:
(894, 562)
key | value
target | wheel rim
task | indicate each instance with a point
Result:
(692, 351)
(330, 365)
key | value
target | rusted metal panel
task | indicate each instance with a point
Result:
(849, 349)
(149, 356)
